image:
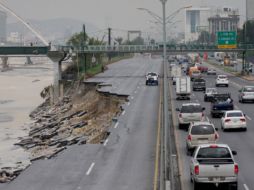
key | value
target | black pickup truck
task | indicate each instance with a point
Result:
(221, 103)
(199, 84)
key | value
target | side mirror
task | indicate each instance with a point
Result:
(203, 108)
(234, 152)
(177, 109)
(244, 114)
(216, 128)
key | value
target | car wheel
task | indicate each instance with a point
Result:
(213, 115)
(180, 126)
(216, 85)
(222, 128)
(240, 101)
(196, 185)
(233, 186)
(244, 129)
(227, 85)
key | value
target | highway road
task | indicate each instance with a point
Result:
(126, 159)
(242, 142)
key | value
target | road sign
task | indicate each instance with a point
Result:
(227, 40)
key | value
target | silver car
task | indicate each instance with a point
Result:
(201, 133)
(190, 112)
(246, 94)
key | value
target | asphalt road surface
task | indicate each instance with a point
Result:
(125, 161)
(242, 142)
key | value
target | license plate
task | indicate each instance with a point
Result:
(215, 179)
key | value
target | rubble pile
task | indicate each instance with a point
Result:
(83, 116)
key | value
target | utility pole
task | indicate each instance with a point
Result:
(109, 36)
(84, 44)
(109, 42)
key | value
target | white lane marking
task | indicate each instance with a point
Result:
(105, 143)
(132, 97)
(135, 92)
(246, 187)
(197, 101)
(116, 125)
(123, 112)
(128, 103)
(248, 117)
(138, 87)
(236, 107)
(90, 169)
(207, 119)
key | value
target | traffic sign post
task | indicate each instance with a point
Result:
(227, 40)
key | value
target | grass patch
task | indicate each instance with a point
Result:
(94, 70)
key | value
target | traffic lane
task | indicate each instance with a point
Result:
(62, 172)
(119, 76)
(127, 161)
(198, 97)
(239, 141)
(238, 81)
(69, 169)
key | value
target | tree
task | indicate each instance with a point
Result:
(248, 34)
(78, 39)
(204, 37)
(119, 40)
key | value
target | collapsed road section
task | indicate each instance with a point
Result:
(83, 116)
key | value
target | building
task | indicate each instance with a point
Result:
(225, 19)
(3, 24)
(195, 22)
(249, 9)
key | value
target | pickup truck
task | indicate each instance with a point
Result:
(199, 84)
(221, 103)
(152, 78)
(214, 164)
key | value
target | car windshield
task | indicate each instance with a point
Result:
(152, 74)
(249, 89)
(214, 152)
(235, 114)
(202, 130)
(222, 77)
(191, 109)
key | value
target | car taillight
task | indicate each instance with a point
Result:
(242, 120)
(189, 137)
(196, 170)
(216, 136)
(180, 115)
(242, 94)
(236, 169)
(227, 120)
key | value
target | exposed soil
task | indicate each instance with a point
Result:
(83, 116)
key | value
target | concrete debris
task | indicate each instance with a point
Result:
(83, 116)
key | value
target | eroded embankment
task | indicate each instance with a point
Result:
(83, 116)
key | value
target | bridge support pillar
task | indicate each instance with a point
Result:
(5, 65)
(57, 57)
(28, 61)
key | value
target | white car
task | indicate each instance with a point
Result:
(211, 71)
(234, 119)
(201, 133)
(190, 112)
(152, 78)
(246, 94)
(222, 80)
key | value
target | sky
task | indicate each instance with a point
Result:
(120, 15)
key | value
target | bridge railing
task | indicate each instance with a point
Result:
(151, 48)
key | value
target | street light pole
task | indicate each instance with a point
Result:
(166, 127)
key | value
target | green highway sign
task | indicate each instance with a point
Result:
(227, 39)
